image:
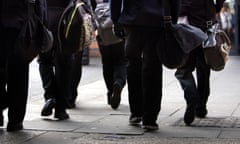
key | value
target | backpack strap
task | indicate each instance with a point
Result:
(71, 18)
(69, 6)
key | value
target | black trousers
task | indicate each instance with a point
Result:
(114, 65)
(60, 71)
(13, 77)
(61, 74)
(144, 72)
(195, 91)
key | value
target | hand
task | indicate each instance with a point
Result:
(118, 30)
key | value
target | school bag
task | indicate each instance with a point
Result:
(76, 27)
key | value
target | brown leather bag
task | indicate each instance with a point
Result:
(216, 48)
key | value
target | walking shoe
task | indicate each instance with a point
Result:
(61, 115)
(150, 126)
(189, 114)
(1, 119)
(48, 107)
(201, 113)
(134, 120)
(116, 98)
(11, 127)
(71, 105)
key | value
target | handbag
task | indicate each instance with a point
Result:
(177, 41)
(34, 37)
(105, 25)
(216, 48)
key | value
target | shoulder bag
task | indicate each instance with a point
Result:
(177, 41)
(217, 46)
(34, 37)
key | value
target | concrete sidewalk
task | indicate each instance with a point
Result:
(93, 121)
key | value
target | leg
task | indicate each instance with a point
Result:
(134, 73)
(75, 73)
(152, 79)
(203, 79)
(119, 73)
(3, 76)
(188, 84)
(46, 69)
(107, 67)
(63, 85)
(17, 84)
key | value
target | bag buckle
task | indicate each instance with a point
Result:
(167, 18)
(209, 23)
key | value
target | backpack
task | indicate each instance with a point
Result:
(105, 25)
(76, 27)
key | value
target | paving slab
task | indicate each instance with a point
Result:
(53, 125)
(56, 138)
(185, 132)
(18, 137)
(112, 124)
(230, 134)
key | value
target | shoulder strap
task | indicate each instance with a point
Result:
(167, 10)
(70, 5)
(30, 7)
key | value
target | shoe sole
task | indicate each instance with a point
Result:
(12, 127)
(150, 128)
(116, 98)
(59, 117)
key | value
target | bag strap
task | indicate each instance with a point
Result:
(167, 10)
(70, 5)
(71, 18)
(209, 13)
(30, 7)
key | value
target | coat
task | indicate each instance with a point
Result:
(197, 12)
(13, 13)
(141, 12)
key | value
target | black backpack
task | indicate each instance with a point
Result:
(76, 27)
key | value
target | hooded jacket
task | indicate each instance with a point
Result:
(141, 12)
(13, 13)
(198, 11)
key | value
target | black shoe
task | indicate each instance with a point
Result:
(134, 120)
(150, 126)
(48, 107)
(11, 127)
(71, 105)
(189, 115)
(61, 115)
(116, 98)
(201, 113)
(1, 119)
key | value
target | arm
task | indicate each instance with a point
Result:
(115, 8)
(175, 7)
(94, 4)
(219, 5)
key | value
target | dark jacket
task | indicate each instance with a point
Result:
(141, 12)
(13, 13)
(198, 11)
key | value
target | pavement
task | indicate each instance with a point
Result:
(94, 122)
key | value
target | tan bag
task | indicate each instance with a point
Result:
(216, 48)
